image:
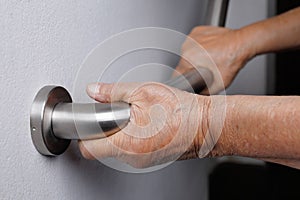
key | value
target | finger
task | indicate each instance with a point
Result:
(213, 89)
(109, 92)
(192, 59)
(206, 92)
(113, 146)
(92, 149)
(84, 151)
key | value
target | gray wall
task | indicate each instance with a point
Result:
(44, 42)
(251, 79)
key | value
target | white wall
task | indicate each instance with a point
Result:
(44, 42)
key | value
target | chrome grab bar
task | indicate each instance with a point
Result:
(55, 120)
(98, 120)
(216, 12)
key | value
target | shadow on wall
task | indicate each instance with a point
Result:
(97, 179)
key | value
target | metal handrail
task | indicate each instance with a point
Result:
(55, 120)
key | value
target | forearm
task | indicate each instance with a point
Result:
(260, 127)
(274, 34)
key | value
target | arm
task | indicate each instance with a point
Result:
(167, 124)
(275, 34)
(230, 50)
(261, 127)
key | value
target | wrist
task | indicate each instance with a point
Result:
(246, 45)
(203, 108)
(219, 124)
(211, 140)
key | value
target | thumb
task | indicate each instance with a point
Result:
(110, 92)
(182, 67)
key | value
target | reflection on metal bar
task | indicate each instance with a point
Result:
(216, 12)
(55, 120)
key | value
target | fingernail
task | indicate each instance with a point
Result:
(93, 89)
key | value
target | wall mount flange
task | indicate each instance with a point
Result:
(42, 134)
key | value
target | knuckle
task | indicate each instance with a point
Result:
(195, 29)
(185, 46)
(199, 29)
(145, 89)
(188, 56)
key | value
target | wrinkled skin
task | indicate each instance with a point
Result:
(167, 124)
(164, 124)
(219, 49)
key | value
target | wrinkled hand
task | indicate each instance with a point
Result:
(221, 50)
(165, 124)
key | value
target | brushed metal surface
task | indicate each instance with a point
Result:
(90, 120)
(215, 14)
(41, 119)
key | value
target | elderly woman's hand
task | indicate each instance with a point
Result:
(223, 51)
(166, 124)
